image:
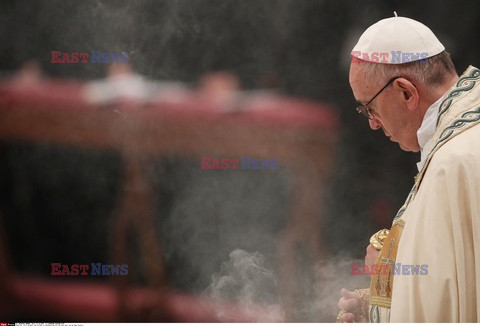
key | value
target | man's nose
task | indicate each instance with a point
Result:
(374, 124)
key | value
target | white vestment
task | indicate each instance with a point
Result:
(442, 219)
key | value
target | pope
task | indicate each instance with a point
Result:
(423, 106)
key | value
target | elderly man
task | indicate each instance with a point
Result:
(407, 86)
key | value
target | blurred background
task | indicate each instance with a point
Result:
(271, 75)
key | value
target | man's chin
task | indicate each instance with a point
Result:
(408, 148)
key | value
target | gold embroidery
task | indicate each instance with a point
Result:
(382, 283)
(378, 239)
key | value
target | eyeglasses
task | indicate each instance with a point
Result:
(363, 109)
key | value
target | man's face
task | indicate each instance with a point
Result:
(389, 109)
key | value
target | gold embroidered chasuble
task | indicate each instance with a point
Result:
(439, 224)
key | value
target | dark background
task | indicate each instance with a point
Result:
(301, 47)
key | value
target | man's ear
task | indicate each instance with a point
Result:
(409, 93)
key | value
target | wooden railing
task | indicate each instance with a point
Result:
(301, 134)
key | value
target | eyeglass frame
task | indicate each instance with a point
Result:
(364, 109)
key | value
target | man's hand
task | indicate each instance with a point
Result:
(351, 304)
(371, 256)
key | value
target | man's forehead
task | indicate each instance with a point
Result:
(362, 87)
(357, 83)
(357, 73)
